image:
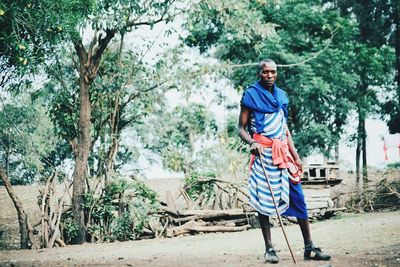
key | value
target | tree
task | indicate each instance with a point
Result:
(243, 33)
(26, 140)
(379, 24)
(107, 19)
(374, 63)
(26, 144)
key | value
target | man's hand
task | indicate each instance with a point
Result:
(256, 149)
(299, 164)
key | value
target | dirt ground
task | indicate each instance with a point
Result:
(370, 239)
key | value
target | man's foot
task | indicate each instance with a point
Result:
(270, 256)
(313, 253)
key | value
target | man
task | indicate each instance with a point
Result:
(264, 114)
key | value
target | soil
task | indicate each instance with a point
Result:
(370, 239)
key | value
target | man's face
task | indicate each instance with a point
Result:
(268, 75)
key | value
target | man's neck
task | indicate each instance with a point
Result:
(269, 88)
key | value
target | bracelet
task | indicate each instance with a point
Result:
(252, 142)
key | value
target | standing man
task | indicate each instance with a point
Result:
(262, 125)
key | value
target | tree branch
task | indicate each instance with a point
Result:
(297, 63)
(103, 43)
(133, 23)
(80, 50)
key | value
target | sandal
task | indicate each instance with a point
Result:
(313, 253)
(270, 256)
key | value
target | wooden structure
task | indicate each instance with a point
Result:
(317, 182)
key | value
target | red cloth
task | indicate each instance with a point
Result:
(279, 148)
(280, 155)
(385, 150)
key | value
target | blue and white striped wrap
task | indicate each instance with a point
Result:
(260, 195)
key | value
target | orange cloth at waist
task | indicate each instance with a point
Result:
(279, 149)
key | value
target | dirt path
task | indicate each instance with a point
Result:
(353, 240)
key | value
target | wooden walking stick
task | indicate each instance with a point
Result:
(276, 208)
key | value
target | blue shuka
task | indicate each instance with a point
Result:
(268, 117)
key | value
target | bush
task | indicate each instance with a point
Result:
(393, 166)
(140, 207)
(122, 227)
(200, 183)
(69, 228)
(386, 195)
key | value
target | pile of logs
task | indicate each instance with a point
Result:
(226, 211)
(206, 221)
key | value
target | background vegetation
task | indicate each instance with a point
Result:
(79, 101)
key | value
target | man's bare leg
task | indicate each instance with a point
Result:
(270, 253)
(266, 229)
(310, 251)
(305, 230)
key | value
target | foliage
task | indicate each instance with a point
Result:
(177, 134)
(200, 183)
(378, 22)
(122, 96)
(322, 92)
(101, 209)
(121, 211)
(26, 140)
(122, 227)
(144, 203)
(69, 228)
(31, 31)
(393, 166)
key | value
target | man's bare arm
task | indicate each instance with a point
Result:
(244, 116)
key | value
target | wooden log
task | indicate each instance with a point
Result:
(185, 219)
(209, 229)
(198, 200)
(224, 223)
(170, 201)
(169, 211)
(233, 222)
(182, 229)
(317, 205)
(214, 216)
(213, 213)
(242, 199)
(186, 197)
(201, 226)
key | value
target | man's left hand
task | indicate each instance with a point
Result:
(299, 164)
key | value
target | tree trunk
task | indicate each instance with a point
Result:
(337, 156)
(82, 154)
(396, 20)
(25, 228)
(364, 153)
(358, 148)
(7, 159)
(115, 136)
(89, 62)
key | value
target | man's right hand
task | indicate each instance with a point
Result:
(256, 149)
